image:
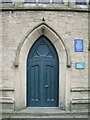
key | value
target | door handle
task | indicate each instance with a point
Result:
(46, 86)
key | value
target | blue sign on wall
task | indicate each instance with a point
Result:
(80, 65)
(78, 45)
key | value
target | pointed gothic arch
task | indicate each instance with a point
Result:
(43, 29)
(21, 58)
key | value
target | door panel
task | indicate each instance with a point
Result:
(51, 84)
(34, 84)
(42, 75)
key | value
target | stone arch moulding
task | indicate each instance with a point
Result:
(41, 27)
(21, 60)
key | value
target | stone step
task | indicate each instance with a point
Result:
(40, 114)
(47, 118)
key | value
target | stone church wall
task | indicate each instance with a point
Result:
(69, 25)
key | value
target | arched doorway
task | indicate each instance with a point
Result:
(21, 65)
(42, 74)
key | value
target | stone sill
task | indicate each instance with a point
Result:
(80, 89)
(80, 101)
(6, 100)
(6, 89)
(53, 7)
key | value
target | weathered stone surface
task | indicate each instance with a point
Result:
(69, 25)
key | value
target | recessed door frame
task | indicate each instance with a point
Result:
(21, 67)
(42, 74)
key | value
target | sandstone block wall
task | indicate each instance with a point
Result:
(69, 25)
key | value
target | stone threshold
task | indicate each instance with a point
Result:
(49, 110)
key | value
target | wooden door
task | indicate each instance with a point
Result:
(42, 75)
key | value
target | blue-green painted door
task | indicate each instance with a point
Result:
(42, 75)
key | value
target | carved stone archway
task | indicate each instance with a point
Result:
(21, 59)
